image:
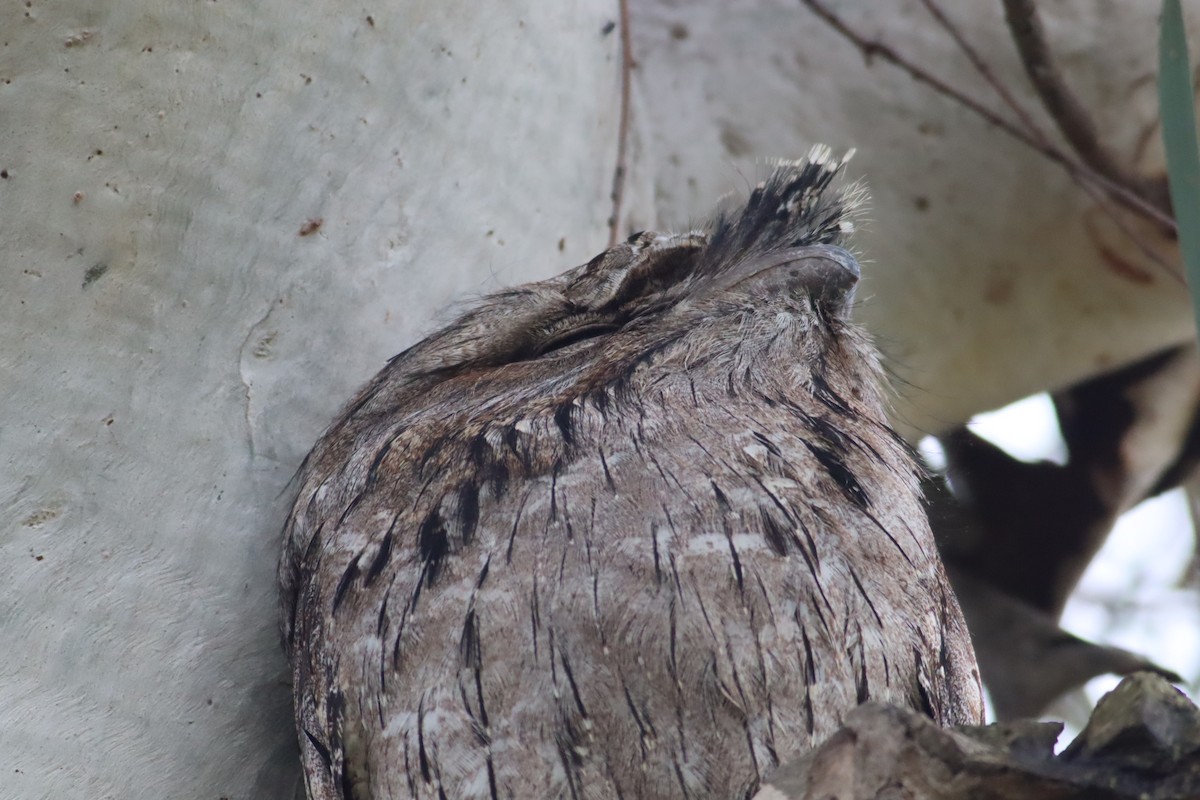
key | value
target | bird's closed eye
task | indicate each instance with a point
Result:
(574, 331)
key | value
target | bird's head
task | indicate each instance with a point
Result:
(760, 280)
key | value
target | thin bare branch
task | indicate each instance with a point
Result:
(1077, 170)
(1089, 183)
(984, 70)
(618, 187)
(1072, 119)
(874, 47)
(1103, 202)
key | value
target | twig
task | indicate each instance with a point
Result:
(1102, 202)
(618, 186)
(1077, 170)
(1072, 119)
(1031, 127)
(877, 48)
(984, 70)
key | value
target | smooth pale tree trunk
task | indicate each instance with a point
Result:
(216, 219)
(171, 344)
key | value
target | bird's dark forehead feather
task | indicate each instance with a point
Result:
(797, 205)
(793, 207)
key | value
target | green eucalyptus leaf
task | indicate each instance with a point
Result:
(1179, 139)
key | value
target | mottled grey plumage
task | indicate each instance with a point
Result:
(637, 531)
